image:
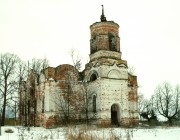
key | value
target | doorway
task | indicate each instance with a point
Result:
(114, 114)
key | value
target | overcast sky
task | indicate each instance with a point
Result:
(149, 32)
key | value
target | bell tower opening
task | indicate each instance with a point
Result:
(112, 42)
(114, 114)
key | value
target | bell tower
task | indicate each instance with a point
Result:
(111, 90)
(105, 37)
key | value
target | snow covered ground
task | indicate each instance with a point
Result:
(39, 133)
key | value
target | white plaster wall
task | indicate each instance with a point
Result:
(111, 87)
(46, 101)
(94, 88)
(49, 96)
(105, 70)
(114, 92)
(105, 53)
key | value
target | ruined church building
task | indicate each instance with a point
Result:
(103, 93)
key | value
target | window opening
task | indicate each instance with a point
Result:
(94, 103)
(93, 77)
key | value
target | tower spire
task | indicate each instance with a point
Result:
(103, 18)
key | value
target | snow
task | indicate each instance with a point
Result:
(39, 133)
(35, 133)
(157, 134)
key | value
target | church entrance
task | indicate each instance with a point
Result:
(114, 114)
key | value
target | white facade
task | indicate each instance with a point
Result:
(103, 93)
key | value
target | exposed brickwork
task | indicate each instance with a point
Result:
(114, 87)
(61, 72)
(103, 34)
(132, 80)
(104, 27)
(50, 122)
(104, 89)
(49, 72)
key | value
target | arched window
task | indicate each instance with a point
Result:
(112, 42)
(94, 103)
(43, 105)
(93, 77)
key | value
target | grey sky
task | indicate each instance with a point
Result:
(149, 32)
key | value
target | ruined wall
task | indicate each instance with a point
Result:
(104, 88)
(58, 88)
(104, 36)
(133, 100)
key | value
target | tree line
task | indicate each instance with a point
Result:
(13, 72)
(165, 102)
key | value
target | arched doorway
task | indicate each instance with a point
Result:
(114, 114)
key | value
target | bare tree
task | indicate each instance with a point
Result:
(8, 81)
(168, 101)
(18, 104)
(141, 103)
(148, 111)
(75, 59)
(69, 98)
(61, 105)
(35, 68)
(37, 65)
(28, 80)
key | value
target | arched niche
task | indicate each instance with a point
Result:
(115, 74)
(115, 114)
(93, 76)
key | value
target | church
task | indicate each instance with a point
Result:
(103, 93)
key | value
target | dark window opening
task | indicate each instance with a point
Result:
(35, 106)
(93, 77)
(94, 103)
(114, 114)
(43, 105)
(112, 42)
